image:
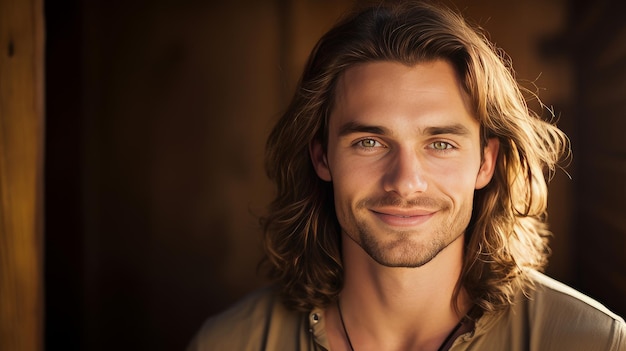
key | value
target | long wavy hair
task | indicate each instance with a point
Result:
(507, 234)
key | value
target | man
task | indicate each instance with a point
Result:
(411, 203)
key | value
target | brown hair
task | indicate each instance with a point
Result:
(507, 233)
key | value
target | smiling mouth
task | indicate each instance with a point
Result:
(404, 219)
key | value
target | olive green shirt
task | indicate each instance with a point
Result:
(552, 317)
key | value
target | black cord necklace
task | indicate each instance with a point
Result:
(345, 331)
(446, 341)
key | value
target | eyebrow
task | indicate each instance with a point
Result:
(353, 127)
(455, 129)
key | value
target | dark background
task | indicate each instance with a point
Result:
(156, 119)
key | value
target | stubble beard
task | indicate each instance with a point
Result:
(406, 248)
(403, 250)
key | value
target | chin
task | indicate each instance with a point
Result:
(404, 257)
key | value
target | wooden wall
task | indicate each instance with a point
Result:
(158, 115)
(597, 40)
(21, 175)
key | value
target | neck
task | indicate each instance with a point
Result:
(401, 308)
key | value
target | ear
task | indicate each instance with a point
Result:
(488, 166)
(320, 162)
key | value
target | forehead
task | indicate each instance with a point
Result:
(381, 91)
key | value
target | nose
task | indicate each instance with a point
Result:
(405, 175)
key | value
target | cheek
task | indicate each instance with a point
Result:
(347, 186)
(456, 179)
(344, 198)
(352, 184)
(353, 175)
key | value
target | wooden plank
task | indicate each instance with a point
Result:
(606, 285)
(603, 107)
(597, 29)
(602, 234)
(601, 58)
(603, 181)
(21, 155)
(599, 53)
(602, 134)
(605, 86)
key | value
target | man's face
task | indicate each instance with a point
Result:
(404, 158)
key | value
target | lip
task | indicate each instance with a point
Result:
(403, 217)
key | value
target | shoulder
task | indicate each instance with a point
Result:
(550, 316)
(553, 295)
(249, 324)
(559, 314)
